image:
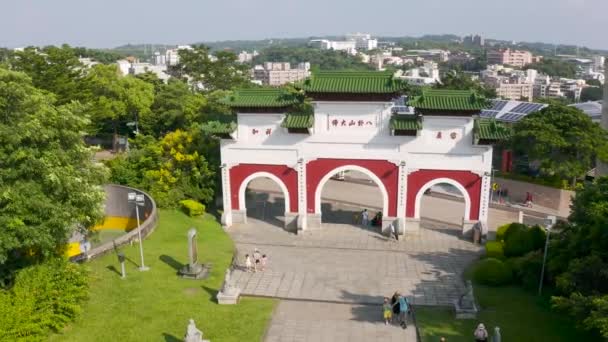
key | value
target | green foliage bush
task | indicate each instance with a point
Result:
(42, 300)
(500, 232)
(192, 207)
(513, 228)
(518, 243)
(526, 269)
(493, 272)
(494, 249)
(537, 235)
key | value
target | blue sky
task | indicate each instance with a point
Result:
(111, 23)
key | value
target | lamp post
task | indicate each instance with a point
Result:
(139, 201)
(549, 223)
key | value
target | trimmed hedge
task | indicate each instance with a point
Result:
(494, 249)
(192, 208)
(538, 236)
(500, 232)
(518, 244)
(493, 272)
(526, 269)
(42, 300)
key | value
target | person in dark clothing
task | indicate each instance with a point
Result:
(395, 304)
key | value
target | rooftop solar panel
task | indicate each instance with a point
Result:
(499, 105)
(487, 113)
(526, 108)
(511, 117)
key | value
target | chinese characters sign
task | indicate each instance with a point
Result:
(261, 131)
(446, 135)
(338, 122)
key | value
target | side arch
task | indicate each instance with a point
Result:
(367, 172)
(262, 174)
(457, 185)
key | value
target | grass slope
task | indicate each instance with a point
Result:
(156, 305)
(520, 315)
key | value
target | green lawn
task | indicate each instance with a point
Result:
(521, 316)
(156, 305)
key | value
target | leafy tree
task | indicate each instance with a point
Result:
(460, 81)
(151, 78)
(319, 59)
(171, 169)
(562, 139)
(49, 186)
(101, 56)
(115, 99)
(592, 94)
(175, 107)
(579, 261)
(220, 71)
(55, 69)
(554, 67)
(594, 82)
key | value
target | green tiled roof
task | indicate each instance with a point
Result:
(449, 100)
(490, 130)
(260, 98)
(406, 122)
(352, 82)
(298, 121)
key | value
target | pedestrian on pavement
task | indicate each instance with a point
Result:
(365, 217)
(394, 232)
(256, 259)
(395, 304)
(387, 311)
(528, 200)
(403, 311)
(481, 334)
(264, 260)
(248, 265)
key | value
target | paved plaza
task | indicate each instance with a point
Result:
(332, 281)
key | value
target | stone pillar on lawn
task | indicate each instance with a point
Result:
(229, 293)
(193, 270)
(465, 306)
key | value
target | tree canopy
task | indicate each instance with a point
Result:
(460, 81)
(592, 94)
(220, 71)
(321, 59)
(554, 67)
(578, 258)
(49, 185)
(562, 139)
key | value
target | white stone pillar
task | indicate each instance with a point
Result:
(484, 200)
(401, 196)
(226, 219)
(302, 211)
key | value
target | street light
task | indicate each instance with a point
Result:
(139, 201)
(549, 223)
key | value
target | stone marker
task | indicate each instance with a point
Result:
(497, 337)
(465, 307)
(229, 294)
(194, 270)
(193, 334)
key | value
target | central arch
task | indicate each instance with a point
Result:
(457, 185)
(363, 170)
(262, 174)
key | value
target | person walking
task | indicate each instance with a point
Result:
(528, 202)
(365, 217)
(256, 259)
(387, 311)
(403, 310)
(395, 304)
(481, 334)
(394, 232)
(248, 264)
(264, 260)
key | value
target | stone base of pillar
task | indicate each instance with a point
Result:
(313, 221)
(411, 226)
(291, 222)
(239, 216)
(302, 224)
(386, 224)
(226, 219)
(467, 228)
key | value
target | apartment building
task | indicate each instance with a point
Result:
(275, 74)
(515, 58)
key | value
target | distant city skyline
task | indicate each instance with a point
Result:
(113, 23)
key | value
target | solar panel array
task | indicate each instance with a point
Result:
(527, 108)
(498, 105)
(512, 117)
(487, 113)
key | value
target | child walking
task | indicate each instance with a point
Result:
(248, 265)
(387, 311)
(264, 259)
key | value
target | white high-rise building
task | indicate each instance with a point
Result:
(363, 41)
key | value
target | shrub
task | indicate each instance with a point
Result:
(513, 229)
(192, 207)
(538, 236)
(43, 299)
(526, 269)
(518, 243)
(494, 249)
(500, 232)
(492, 272)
